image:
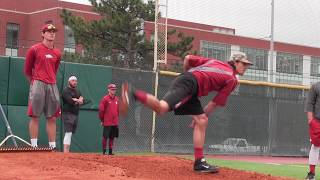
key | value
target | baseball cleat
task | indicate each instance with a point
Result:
(310, 176)
(202, 166)
(110, 152)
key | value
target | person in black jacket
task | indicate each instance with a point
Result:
(72, 100)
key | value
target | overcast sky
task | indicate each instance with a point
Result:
(296, 21)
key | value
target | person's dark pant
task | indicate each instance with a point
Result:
(70, 122)
(109, 132)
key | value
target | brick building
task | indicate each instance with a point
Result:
(22, 20)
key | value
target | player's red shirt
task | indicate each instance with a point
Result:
(42, 63)
(109, 111)
(213, 75)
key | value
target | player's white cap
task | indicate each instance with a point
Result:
(72, 78)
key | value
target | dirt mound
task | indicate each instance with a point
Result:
(45, 166)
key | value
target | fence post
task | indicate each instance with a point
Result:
(155, 69)
(154, 115)
(272, 118)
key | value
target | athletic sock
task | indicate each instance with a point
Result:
(34, 142)
(198, 153)
(110, 143)
(313, 157)
(104, 143)
(52, 144)
(313, 169)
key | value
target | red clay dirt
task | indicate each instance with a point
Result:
(74, 166)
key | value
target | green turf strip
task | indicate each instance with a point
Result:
(298, 171)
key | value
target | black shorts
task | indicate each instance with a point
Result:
(110, 131)
(70, 121)
(182, 95)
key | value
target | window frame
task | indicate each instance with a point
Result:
(256, 53)
(292, 60)
(215, 49)
(11, 45)
(69, 46)
(315, 66)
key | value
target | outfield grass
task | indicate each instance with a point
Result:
(297, 171)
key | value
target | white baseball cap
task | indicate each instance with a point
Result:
(72, 78)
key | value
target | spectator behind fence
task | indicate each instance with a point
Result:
(72, 100)
(109, 116)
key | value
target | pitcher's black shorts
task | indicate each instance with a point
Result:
(182, 95)
(110, 131)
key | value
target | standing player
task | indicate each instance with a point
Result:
(201, 76)
(41, 66)
(313, 115)
(72, 100)
(109, 116)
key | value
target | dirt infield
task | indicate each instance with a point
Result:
(45, 166)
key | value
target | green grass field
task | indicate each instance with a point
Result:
(297, 171)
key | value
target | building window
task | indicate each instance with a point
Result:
(215, 50)
(69, 41)
(315, 66)
(259, 57)
(289, 63)
(12, 41)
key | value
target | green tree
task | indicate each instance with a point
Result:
(182, 47)
(118, 38)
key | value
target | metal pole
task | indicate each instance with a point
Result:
(272, 42)
(272, 102)
(166, 35)
(155, 70)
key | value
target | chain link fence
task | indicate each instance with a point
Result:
(258, 120)
(135, 129)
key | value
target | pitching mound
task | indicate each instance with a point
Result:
(45, 166)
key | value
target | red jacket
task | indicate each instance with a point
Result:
(109, 111)
(213, 75)
(42, 63)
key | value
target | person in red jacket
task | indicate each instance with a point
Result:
(41, 66)
(109, 116)
(201, 76)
